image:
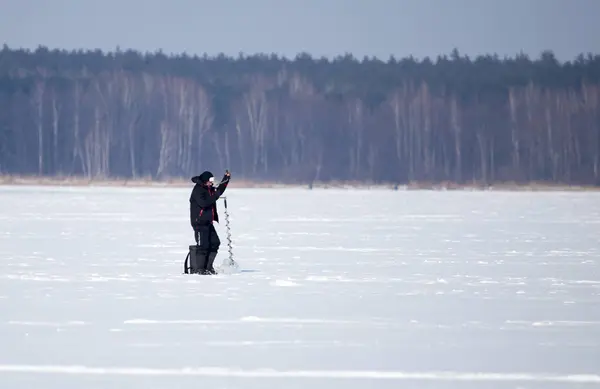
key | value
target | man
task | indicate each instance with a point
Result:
(203, 212)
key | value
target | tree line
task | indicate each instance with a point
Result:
(127, 114)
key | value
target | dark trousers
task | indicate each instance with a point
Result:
(207, 238)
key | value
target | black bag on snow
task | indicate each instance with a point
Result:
(197, 260)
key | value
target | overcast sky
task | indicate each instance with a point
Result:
(320, 27)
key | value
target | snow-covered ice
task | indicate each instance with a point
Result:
(342, 288)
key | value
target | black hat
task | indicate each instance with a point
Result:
(205, 176)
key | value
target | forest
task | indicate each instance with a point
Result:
(133, 115)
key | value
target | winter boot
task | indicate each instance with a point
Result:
(209, 263)
(197, 259)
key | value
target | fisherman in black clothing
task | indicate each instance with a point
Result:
(203, 212)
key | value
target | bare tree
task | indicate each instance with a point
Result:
(204, 118)
(399, 105)
(133, 93)
(456, 125)
(514, 103)
(356, 122)
(38, 101)
(256, 110)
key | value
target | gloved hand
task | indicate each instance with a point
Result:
(227, 173)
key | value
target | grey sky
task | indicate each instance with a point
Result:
(320, 27)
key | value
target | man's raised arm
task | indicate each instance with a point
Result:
(224, 182)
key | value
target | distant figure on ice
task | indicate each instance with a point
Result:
(203, 212)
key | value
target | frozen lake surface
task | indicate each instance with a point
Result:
(344, 289)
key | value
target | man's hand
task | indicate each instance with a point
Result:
(227, 173)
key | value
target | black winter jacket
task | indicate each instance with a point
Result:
(203, 202)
